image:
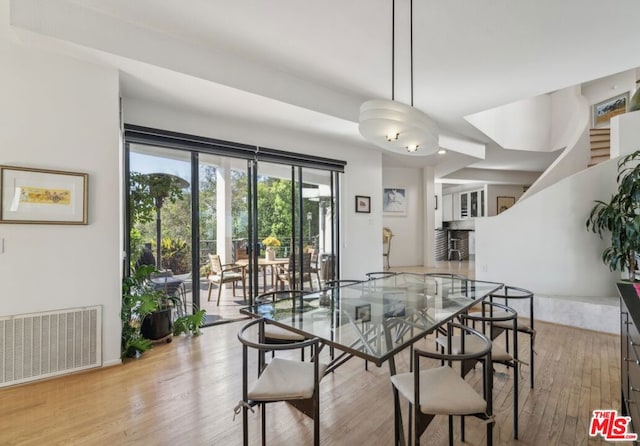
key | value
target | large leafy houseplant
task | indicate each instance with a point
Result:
(139, 299)
(621, 217)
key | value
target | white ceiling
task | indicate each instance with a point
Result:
(308, 65)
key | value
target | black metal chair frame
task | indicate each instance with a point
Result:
(380, 274)
(310, 407)
(467, 360)
(488, 319)
(341, 282)
(275, 296)
(515, 293)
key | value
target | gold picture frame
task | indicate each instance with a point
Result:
(43, 196)
(602, 112)
(504, 203)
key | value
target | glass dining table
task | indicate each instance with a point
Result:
(378, 318)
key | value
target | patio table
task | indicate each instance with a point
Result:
(263, 264)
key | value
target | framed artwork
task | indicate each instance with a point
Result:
(363, 313)
(504, 203)
(394, 200)
(363, 204)
(43, 196)
(602, 112)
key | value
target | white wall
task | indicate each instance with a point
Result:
(542, 243)
(62, 114)
(361, 234)
(625, 134)
(408, 230)
(541, 123)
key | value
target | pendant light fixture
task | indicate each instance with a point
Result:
(396, 126)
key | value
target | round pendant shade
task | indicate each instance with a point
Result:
(398, 127)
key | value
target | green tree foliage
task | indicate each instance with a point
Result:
(274, 207)
(207, 205)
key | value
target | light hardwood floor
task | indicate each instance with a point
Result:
(183, 393)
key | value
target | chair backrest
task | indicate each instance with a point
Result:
(279, 295)
(380, 274)
(386, 240)
(494, 312)
(216, 264)
(508, 293)
(341, 282)
(255, 339)
(314, 257)
(306, 262)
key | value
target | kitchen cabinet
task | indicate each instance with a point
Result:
(471, 204)
(447, 207)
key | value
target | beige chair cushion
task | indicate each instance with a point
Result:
(281, 334)
(473, 344)
(228, 277)
(442, 392)
(285, 379)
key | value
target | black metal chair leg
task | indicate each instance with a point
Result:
(264, 423)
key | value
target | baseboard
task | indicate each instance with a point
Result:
(591, 313)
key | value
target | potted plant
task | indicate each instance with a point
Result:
(189, 323)
(271, 243)
(621, 217)
(139, 299)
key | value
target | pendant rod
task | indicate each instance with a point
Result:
(393, 50)
(411, 37)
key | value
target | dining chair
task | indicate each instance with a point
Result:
(341, 282)
(387, 235)
(225, 273)
(274, 334)
(379, 274)
(525, 324)
(296, 382)
(493, 317)
(443, 390)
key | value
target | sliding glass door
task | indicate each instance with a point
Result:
(269, 214)
(160, 198)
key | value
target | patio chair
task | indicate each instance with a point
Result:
(286, 272)
(227, 273)
(314, 266)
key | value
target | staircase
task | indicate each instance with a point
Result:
(600, 145)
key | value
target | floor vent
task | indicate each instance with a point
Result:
(42, 345)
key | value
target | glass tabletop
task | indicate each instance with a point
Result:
(377, 318)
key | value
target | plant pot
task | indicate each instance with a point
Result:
(270, 253)
(157, 325)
